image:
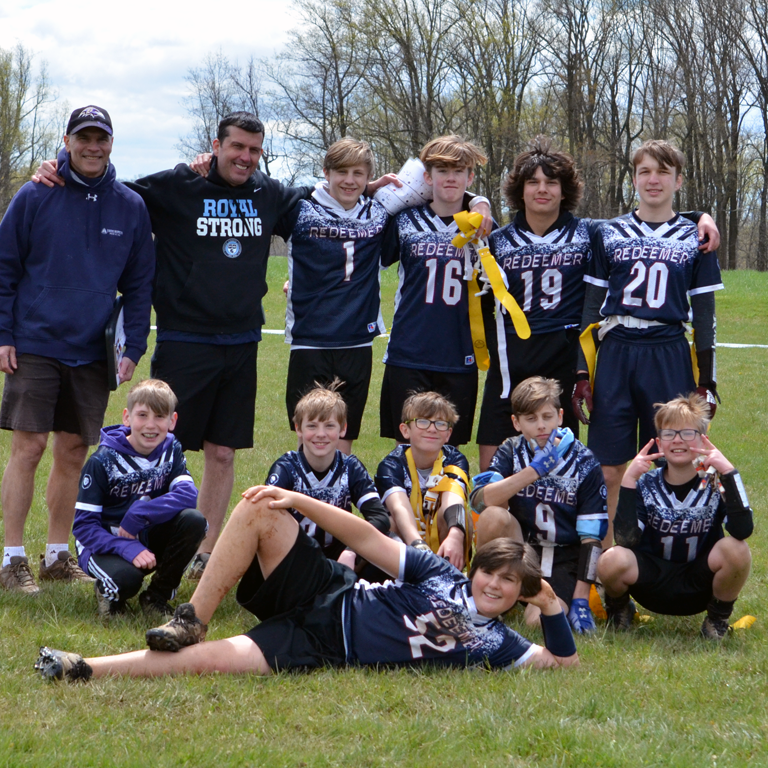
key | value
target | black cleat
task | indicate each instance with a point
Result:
(182, 630)
(57, 665)
(154, 605)
(621, 613)
(715, 629)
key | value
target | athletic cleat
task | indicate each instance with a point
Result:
(106, 607)
(64, 568)
(182, 630)
(153, 604)
(18, 577)
(619, 616)
(57, 665)
(197, 566)
(714, 629)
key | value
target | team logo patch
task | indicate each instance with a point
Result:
(232, 248)
(371, 327)
(469, 360)
(92, 112)
(272, 479)
(603, 492)
(86, 483)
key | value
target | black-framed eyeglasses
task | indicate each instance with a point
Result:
(440, 425)
(669, 434)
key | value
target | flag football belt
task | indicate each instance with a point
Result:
(589, 347)
(424, 507)
(468, 224)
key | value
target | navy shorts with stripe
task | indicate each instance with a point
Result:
(635, 370)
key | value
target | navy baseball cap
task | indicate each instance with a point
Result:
(90, 116)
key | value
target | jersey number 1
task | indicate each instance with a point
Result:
(349, 267)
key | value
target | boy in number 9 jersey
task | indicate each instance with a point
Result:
(545, 487)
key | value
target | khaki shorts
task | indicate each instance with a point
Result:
(44, 395)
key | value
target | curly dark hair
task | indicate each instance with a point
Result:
(554, 163)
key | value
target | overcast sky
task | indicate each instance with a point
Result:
(131, 59)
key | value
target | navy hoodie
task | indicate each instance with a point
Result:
(64, 254)
(120, 487)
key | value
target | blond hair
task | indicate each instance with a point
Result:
(321, 403)
(662, 152)
(534, 393)
(429, 405)
(685, 409)
(347, 152)
(155, 394)
(451, 150)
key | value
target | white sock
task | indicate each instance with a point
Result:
(10, 552)
(52, 553)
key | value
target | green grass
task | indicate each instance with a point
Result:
(656, 697)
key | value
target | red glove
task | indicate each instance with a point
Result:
(582, 396)
(711, 397)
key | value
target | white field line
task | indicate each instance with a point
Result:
(275, 332)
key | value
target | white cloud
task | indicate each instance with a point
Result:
(131, 58)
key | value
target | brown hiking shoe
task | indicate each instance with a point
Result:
(58, 665)
(18, 576)
(183, 629)
(65, 568)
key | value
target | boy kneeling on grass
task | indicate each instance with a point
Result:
(423, 482)
(672, 555)
(546, 487)
(313, 613)
(135, 510)
(319, 469)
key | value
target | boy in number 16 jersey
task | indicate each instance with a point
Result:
(430, 347)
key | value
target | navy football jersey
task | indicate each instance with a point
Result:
(426, 615)
(430, 330)
(679, 531)
(562, 507)
(650, 273)
(393, 474)
(347, 482)
(544, 274)
(333, 269)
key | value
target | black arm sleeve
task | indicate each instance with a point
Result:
(704, 326)
(739, 522)
(376, 514)
(693, 216)
(594, 297)
(626, 531)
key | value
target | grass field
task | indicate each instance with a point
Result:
(656, 697)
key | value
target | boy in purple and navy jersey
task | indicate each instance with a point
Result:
(135, 511)
(318, 469)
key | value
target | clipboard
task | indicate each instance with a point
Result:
(114, 336)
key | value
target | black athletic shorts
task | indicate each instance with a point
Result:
(565, 567)
(674, 589)
(399, 383)
(352, 366)
(553, 355)
(216, 387)
(635, 370)
(299, 607)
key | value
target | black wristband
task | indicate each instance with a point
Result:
(456, 517)
(739, 514)
(558, 637)
(582, 376)
(589, 552)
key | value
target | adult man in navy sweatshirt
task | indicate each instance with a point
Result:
(64, 254)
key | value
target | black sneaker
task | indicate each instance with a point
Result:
(153, 604)
(182, 630)
(620, 614)
(715, 629)
(57, 665)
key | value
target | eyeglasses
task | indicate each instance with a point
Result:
(440, 425)
(686, 434)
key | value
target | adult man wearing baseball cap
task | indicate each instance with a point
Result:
(64, 254)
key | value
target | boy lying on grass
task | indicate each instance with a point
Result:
(314, 614)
